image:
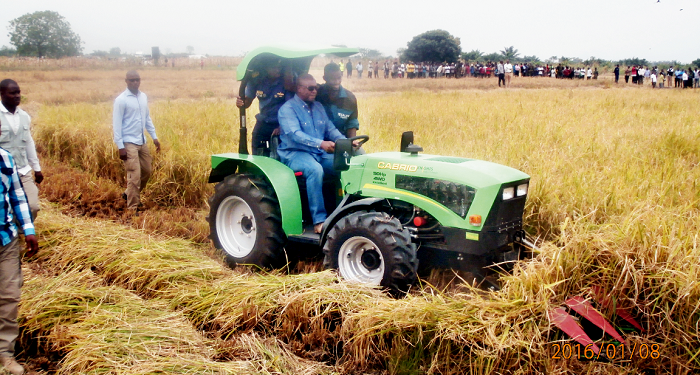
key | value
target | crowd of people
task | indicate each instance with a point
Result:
(678, 77)
(504, 70)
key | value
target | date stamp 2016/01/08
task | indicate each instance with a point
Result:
(607, 351)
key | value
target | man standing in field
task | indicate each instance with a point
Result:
(508, 69)
(307, 140)
(129, 120)
(17, 139)
(500, 71)
(617, 72)
(340, 104)
(13, 207)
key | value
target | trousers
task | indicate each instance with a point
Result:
(138, 171)
(32, 193)
(10, 284)
(314, 167)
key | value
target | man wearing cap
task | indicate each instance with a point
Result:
(272, 87)
(307, 141)
(340, 104)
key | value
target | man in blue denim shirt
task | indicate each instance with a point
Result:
(307, 141)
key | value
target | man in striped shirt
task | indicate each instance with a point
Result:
(13, 204)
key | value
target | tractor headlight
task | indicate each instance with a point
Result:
(508, 193)
(521, 190)
(455, 196)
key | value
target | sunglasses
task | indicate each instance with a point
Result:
(310, 88)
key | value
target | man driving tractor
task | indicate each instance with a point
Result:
(307, 142)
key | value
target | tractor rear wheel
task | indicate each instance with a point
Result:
(372, 248)
(244, 220)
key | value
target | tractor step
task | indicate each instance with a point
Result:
(307, 236)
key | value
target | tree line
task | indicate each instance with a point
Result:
(48, 34)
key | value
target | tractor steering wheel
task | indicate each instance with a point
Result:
(362, 140)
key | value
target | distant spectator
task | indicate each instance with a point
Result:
(652, 76)
(617, 72)
(359, 69)
(508, 69)
(348, 67)
(500, 72)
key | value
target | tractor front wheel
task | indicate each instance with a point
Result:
(245, 222)
(372, 248)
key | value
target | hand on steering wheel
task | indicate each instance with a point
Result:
(361, 139)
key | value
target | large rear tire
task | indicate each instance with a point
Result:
(372, 248)
(244, 220)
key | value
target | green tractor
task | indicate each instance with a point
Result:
(389, 211)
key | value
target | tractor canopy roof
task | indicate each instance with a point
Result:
(300, 57)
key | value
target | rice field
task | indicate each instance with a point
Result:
(614, 198)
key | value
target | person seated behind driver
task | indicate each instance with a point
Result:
(307, 141)
(272, 88)
(340, 104)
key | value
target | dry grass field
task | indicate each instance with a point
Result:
(614, 200)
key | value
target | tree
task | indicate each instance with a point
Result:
(492, 57)
(99, 53)
(531, 59)
(115, 51)
(695, 62)
(44, 34)
(189, 50)
(7, 51)
(434, 45)
(510, 53)
(634, 61)
(367, 53)
(473, 55)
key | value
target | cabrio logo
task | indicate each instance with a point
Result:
(397, 167)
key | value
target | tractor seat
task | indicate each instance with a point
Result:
(274, 144)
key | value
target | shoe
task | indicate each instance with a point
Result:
(11, 365)
(318, 228)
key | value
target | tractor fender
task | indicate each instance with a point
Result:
(344, 209)
(280, 177)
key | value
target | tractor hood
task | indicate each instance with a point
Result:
(300, 55)
(475, 173)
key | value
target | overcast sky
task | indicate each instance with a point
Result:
(608, 29)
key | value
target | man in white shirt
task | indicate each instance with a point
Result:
(640, 75)
(16, 138)
(508, 68)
